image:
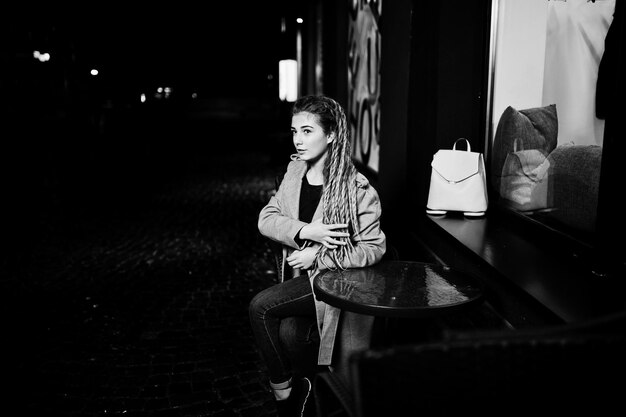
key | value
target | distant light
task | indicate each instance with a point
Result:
(288, 80)
(194, 95)
(142, 98)
(299, 20)
(42, 57)
(160, 90)
(94, 72)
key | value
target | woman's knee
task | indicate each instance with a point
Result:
(286, 299)
(261, 302)
(256, 305)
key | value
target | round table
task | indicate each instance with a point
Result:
(399, 289)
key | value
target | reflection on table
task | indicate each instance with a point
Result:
(399, 289)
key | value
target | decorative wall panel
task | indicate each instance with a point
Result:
(364, 53)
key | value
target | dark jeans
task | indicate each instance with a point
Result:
(284, 301)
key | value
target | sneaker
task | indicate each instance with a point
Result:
(294, 405)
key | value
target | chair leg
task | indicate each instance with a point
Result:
(332, 397)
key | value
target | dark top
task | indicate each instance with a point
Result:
(309, 199)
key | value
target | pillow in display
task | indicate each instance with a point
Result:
(533, 128)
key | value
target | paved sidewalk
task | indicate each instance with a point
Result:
(143, 312)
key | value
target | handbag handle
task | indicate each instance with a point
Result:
(469, 148)
(515, 141)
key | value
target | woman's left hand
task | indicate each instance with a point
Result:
(303, 258)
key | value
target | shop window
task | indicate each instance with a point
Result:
(545, 133)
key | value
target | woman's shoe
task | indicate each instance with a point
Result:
(294, 405)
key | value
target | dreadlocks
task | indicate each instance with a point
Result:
(339, 193)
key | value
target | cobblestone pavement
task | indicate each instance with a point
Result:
(144, 311)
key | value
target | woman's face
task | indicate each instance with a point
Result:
(308, 137)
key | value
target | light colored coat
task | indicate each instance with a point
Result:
(278, 220)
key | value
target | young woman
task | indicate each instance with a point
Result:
(326, 215)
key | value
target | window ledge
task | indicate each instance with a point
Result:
(532, 267)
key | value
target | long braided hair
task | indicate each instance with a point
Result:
(339, 192)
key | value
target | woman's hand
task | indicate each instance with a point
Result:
(325, 234)
(304, 258)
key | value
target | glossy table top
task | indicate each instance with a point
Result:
(398, 289)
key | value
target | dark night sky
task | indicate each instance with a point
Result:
(215, 46)
(83, 143)
(205, 47)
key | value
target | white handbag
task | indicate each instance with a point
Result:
(458, 182)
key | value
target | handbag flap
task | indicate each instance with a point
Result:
(455, 166)
(533, 163)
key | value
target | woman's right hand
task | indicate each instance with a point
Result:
(325, 234)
